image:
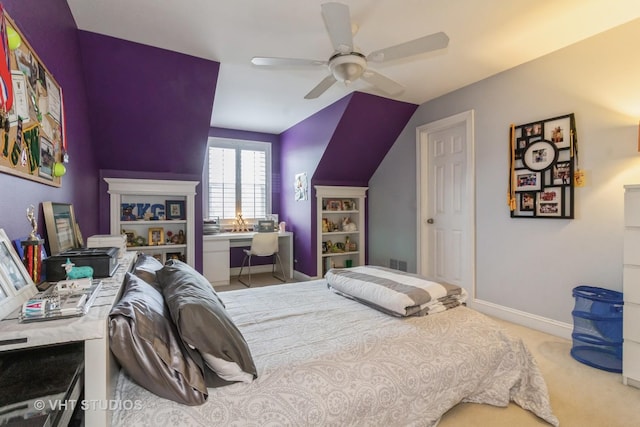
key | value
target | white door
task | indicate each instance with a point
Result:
(446, 200)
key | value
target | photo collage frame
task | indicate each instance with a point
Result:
(542, 164)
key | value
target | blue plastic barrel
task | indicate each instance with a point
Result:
(597, 328)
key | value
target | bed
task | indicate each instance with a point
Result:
(323, 359)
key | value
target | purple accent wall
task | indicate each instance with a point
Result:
(302, 147)
(149, 111)
(340, 145)
(366, 132)
(149, 108)
(50, 29)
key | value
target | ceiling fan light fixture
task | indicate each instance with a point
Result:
(347, 68)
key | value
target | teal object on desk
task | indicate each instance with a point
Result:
(77, 272)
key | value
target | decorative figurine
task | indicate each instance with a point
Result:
(348, 225)
(31, 216)
(127, 213)
(77, 272)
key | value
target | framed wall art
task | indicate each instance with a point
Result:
(542, 162)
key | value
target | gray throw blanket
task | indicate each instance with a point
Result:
(395, 292)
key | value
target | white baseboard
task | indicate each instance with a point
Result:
(539, 323)
(301, 277)
(267, 268)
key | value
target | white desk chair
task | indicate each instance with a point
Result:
(262, 244)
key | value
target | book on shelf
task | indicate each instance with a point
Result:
(68, 298)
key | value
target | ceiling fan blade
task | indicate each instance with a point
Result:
(383, 83)
(423, 44)
(337, 19)
(285, 62)
(321, 88)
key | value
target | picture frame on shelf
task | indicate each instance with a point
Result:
(266, 226)
(16, 285)
(334, 205)
(60, 221)
(175, 209)
(156, 236)
(348, 205)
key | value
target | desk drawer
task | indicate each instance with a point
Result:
(215, 261)
(215, 245)
(631, 360)
(631, 281)
(631, 322)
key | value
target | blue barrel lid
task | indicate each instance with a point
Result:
(598, 294)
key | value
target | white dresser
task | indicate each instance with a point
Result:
(631, 287)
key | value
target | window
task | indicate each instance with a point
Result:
(239, 179)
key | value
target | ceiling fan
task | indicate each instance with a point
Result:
(346, 64)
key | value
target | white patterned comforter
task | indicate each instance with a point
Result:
(325, 360)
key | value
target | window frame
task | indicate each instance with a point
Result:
(238, 144)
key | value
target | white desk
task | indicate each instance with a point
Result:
(100, 368)
(216, 250)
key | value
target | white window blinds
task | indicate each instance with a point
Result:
(238, 179)
(253, 184)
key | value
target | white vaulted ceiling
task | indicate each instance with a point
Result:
(486, 37)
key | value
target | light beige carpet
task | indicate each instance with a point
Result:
(581, 396)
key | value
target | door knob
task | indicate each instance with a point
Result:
(430, 221)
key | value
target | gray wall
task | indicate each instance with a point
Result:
(532, 265)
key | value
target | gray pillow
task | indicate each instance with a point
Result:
(145, 342)
(204, 324)
(146, 267)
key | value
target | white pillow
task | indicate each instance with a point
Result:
(229, 371)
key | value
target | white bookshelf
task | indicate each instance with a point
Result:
(149, 195)
(334, 204)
